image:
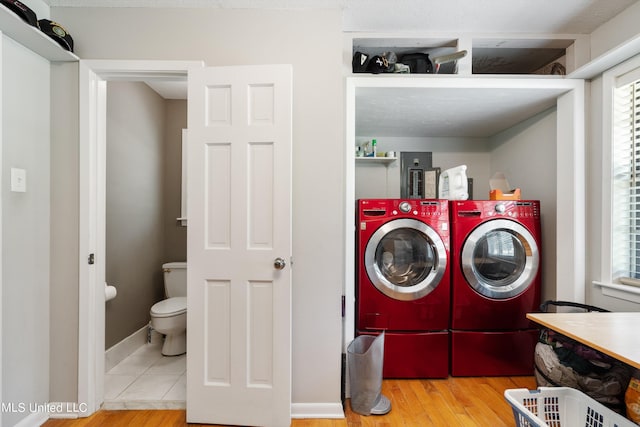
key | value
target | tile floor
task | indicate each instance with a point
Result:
(147, 380)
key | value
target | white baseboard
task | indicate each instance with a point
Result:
(144, 405)
(34, 419)
(298, 410)
(317, 410)
(65, 410)
(120, 351)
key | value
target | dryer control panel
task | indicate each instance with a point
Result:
(497, 208)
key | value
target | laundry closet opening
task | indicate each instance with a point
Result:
(143, 205)
(529, 129)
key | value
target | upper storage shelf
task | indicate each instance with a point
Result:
(32, 38)
(496, 54)
(520, 56)
(401, 46)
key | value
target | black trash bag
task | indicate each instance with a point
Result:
(360, 62)
(418, 63)
(380, 64)
(20, 9)
(563, 362)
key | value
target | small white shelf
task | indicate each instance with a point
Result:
(32, 38)
(376, 159)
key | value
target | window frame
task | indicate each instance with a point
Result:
(610, 81)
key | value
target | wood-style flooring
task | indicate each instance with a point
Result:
(452, 402)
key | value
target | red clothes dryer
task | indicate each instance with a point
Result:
(402, 283)
(495, 283)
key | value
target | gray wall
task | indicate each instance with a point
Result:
(25, 229)
(311, 41)
(139, 207)
(378, 180)
(64, 231)
(526, 153)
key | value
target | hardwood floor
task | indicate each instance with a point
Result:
(452, 402)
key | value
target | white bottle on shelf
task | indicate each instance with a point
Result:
(453, 184)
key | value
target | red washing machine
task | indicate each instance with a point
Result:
(495, 283)
(403, 281)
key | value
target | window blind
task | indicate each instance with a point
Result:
(626, 182)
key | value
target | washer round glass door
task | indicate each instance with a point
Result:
(405, 259)
(500, 259)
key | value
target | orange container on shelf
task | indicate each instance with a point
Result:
(499, 195)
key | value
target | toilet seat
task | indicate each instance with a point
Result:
(170, 307)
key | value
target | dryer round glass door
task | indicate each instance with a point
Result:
(500, 259)
(405, 259)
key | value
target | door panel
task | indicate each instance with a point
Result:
(218, 197)
(239, 207)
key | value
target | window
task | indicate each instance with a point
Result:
(625, 187)
(619, 198)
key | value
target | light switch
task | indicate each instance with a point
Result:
(18, 180)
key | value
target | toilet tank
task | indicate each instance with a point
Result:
(175, 279)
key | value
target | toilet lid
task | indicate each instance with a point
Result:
(169, 307)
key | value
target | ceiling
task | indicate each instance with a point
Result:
(431, 112)
(443, 112)
(456, 16)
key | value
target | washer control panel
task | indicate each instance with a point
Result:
(421, 208)
(404, 207)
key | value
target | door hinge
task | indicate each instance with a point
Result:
(92, 259)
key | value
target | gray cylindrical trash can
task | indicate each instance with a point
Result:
(365, 357)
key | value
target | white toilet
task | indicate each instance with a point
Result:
(169, 316)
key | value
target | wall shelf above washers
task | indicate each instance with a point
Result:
(376, 159)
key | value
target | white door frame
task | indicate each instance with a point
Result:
(1, 270)
(93, 76)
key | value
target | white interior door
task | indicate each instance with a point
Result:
(239, 246)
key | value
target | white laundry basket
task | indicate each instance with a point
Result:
(561, 407)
